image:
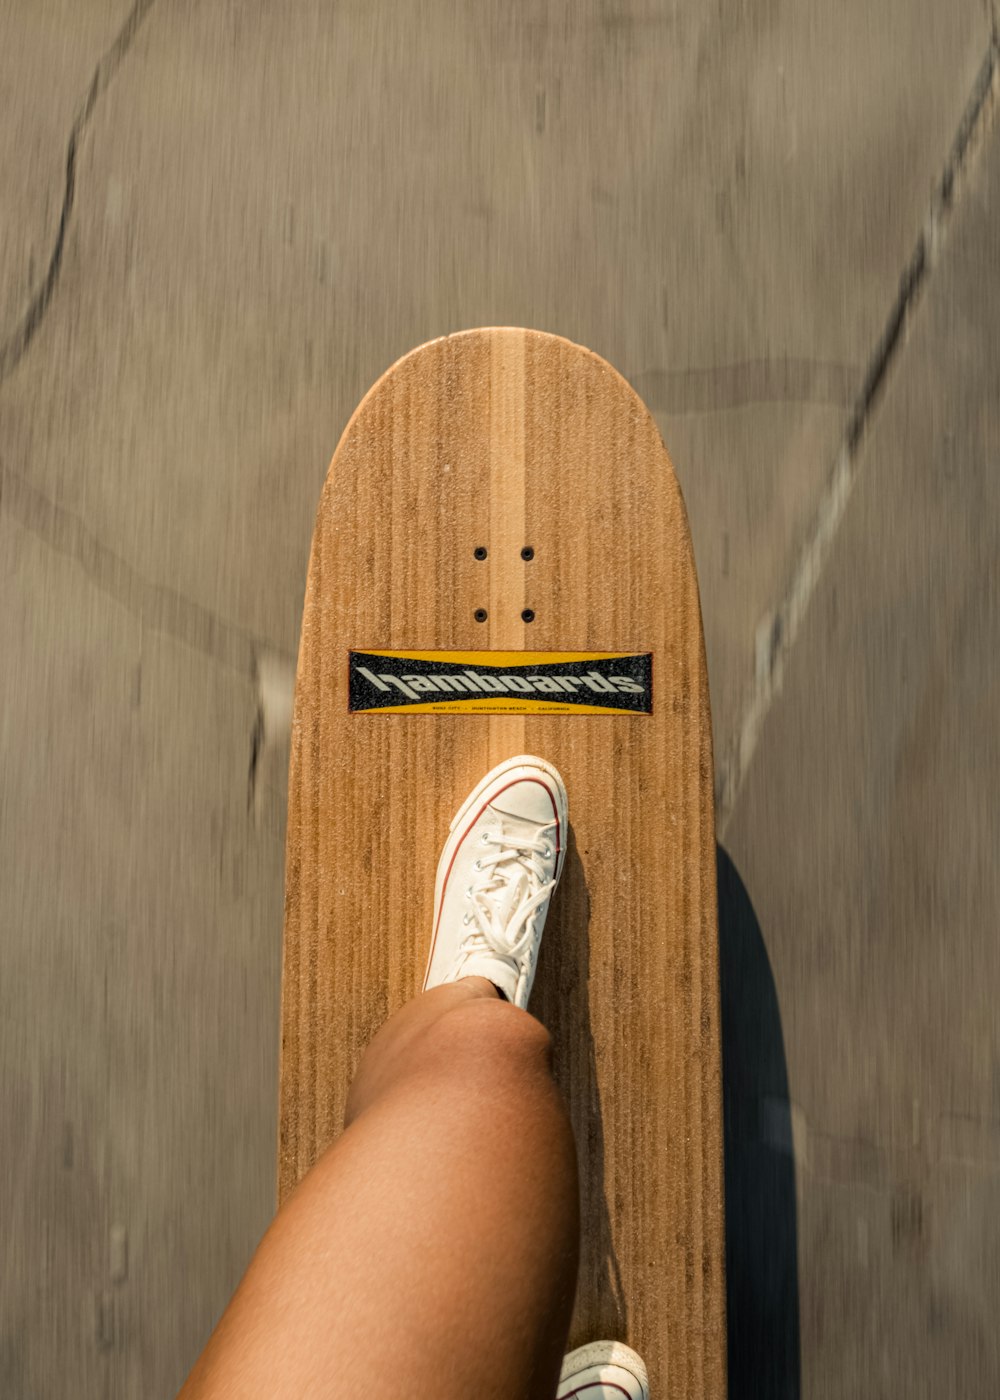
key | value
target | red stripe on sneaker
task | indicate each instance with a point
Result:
(458, 845)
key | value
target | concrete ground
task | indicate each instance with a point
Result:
(219, 223)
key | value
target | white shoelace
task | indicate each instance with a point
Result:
(498, 929)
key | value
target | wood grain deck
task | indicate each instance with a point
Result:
(504, 438)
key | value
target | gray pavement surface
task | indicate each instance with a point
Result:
(219, 224)
(868, 832)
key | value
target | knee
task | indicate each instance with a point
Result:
(480, 1042)
(490, 1035)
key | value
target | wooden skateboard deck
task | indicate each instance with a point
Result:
(501, 496)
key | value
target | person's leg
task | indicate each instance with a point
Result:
(433, 1250)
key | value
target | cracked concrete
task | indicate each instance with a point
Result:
(16, 343)
(157, 607)
(777, 631)
(867, 829)
(147, 900)
(267, 208)
(49, 49)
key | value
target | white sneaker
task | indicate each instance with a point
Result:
(603, 1371)
(496, 876)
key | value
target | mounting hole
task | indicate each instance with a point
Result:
(527, 552)
(480, 614)
(528, 615)
(479, 552)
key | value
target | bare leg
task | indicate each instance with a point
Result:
(433, 1249)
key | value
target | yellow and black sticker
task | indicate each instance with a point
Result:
(501, 682)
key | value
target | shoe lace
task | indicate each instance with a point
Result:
(512, 868)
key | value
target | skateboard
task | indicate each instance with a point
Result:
(501, 564)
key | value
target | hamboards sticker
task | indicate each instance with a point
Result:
(500, 682)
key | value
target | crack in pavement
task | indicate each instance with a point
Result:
(778, 629)
(12, 350)
(160, 608)
(156, 606)
(772, 379)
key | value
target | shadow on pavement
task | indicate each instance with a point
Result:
(762, 1293)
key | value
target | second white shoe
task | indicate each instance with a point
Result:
(496, 877)
(603, 1371)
